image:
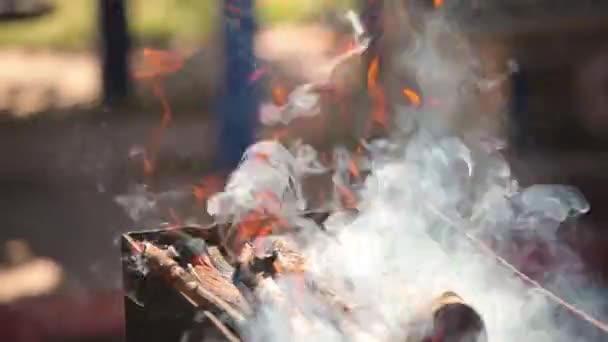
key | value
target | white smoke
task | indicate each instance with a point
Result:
(267, 168)
(404, 248)
(407, 244)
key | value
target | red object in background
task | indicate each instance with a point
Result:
(89, 315)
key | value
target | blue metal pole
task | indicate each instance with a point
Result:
(239, 101)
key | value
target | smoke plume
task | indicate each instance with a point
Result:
(430, 190)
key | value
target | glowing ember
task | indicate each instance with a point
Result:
(412, 96)
(279, 95)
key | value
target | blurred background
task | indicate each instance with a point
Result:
(77, 105)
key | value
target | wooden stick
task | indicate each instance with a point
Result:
(221, 327)
(192, 289)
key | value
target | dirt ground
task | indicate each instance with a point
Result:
(34, 81)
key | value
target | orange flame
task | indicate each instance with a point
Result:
(261, 156)
(176, 222)
(354, 169)
(372, 73)
(377, 94)
(148, 165)
(207, 187)
(280, 134)
(412, 96)
(200, 194)
(157, 63)
(437, 3)
(349, 46)
(279, 95)
(174, 216)
(347, 197)
(270, 197)
(166, 118)
(256, 224)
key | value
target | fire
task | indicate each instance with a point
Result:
(256, 224)
(207, 187)
(412, 96)
(354, 169)
(372, 73)
(261, 156)
(280, 134)
(349, 45)
(259, 222)
(157, 63)
(377, 94)
(177, 222)
(279, 95)
(347, 197)
(263, 220)
(199, 194)
(148, 165)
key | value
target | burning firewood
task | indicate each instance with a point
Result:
(206, 287)
(229, 295)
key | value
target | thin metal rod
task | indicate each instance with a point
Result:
(490, 252)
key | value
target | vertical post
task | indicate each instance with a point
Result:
(239, 102)
(115, 44)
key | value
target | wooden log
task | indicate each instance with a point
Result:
(447, 317)
(219, 294)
